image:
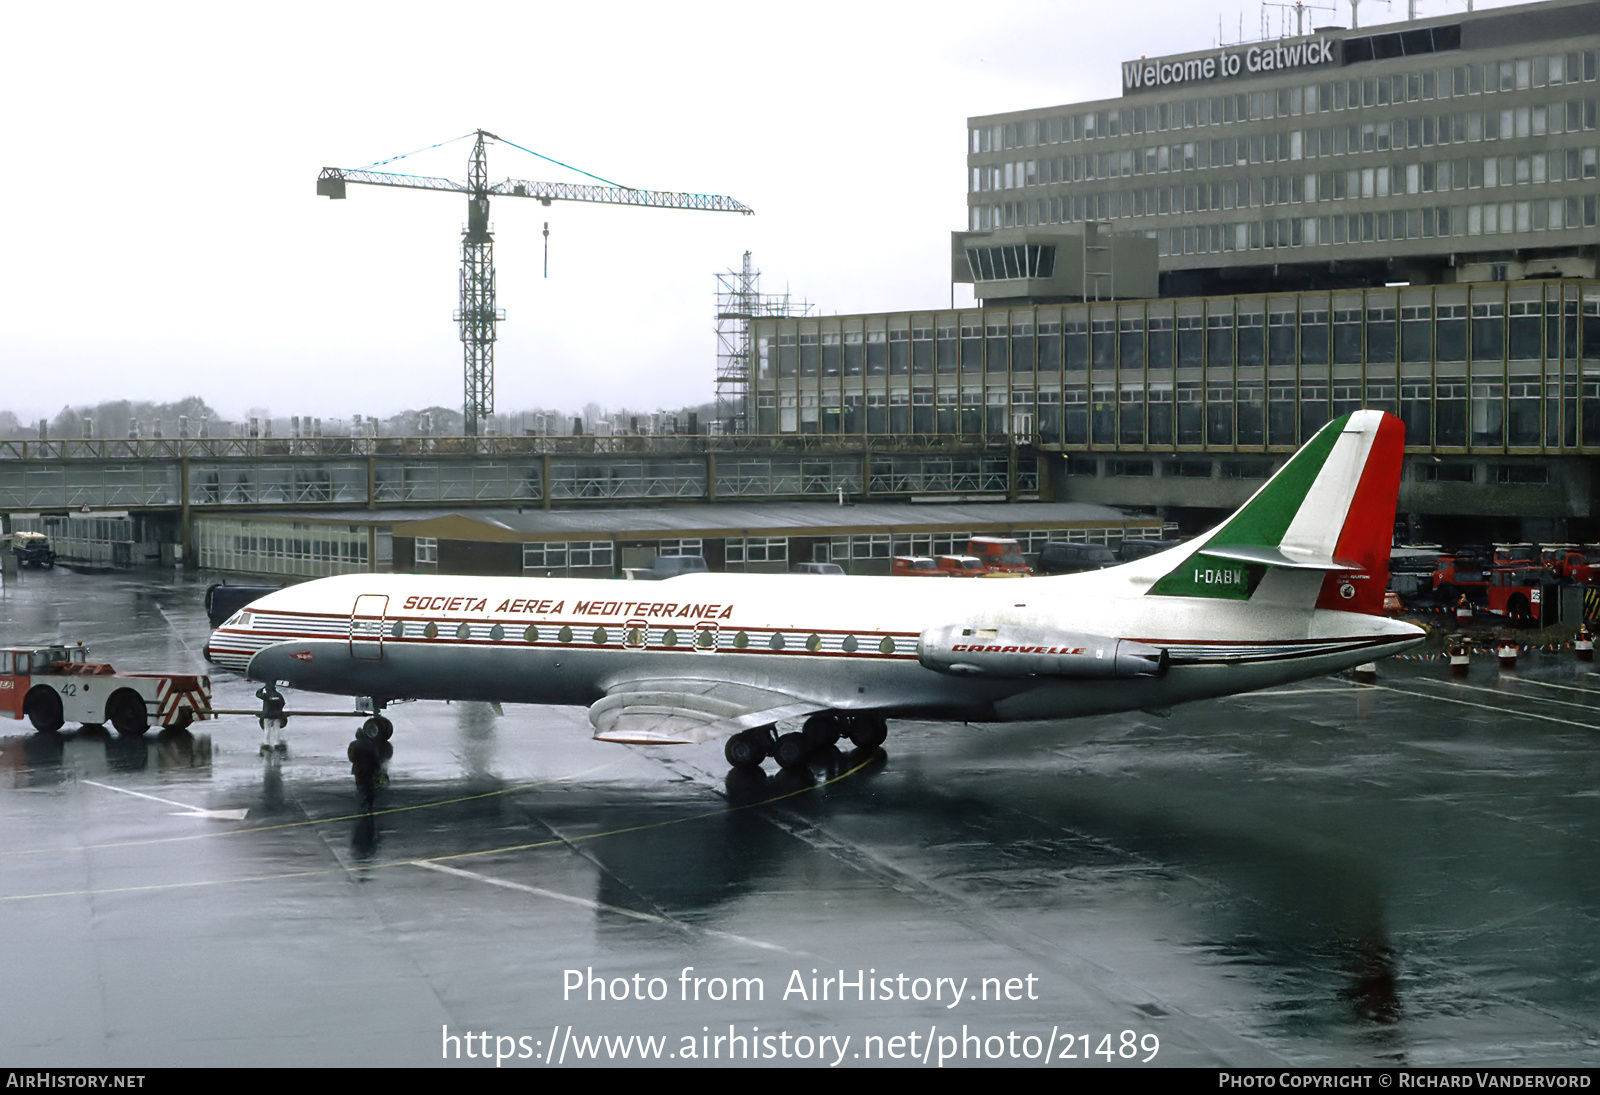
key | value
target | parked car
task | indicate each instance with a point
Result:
(668, 566)
(1059, 557)
(818, 568)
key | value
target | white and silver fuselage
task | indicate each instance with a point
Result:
(847, 644)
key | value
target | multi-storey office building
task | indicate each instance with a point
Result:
(1398, 217)
(1458, 148)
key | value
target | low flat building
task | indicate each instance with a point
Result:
(733, 537)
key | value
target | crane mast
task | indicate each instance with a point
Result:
(478, 314)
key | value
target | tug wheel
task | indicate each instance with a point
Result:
(127, 713)
(43, 708)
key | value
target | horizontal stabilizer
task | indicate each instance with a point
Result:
(1272, 557)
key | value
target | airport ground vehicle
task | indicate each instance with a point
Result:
(1520, 593)
(33, 549)
(223, 600)
(1569, 564)
(999, 554)
(1460, 575)
(915, 566)
(54, 685)
(962, 566)
(1130, 550)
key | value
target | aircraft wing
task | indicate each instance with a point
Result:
(679, 711)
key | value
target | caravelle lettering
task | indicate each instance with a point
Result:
(979, 648)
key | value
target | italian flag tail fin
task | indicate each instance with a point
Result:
(1321, 527)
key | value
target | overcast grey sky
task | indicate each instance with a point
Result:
(162, 236)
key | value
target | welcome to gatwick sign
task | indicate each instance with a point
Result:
(1142, 74)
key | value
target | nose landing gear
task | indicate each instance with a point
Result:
(367, 752)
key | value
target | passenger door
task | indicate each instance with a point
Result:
(367, 626)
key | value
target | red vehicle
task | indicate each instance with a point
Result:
(1571, 565)
(1515, 555)
(962, 566)
(915, 566)
(1520, 593)
(53, 685)
(999, 555)
(1456, 576)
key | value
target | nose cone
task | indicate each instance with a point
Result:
(230, 646)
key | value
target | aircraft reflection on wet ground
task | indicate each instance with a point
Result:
(1323, 874)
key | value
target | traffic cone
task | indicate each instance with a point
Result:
(1506, 651)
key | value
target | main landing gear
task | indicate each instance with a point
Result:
(748, 749)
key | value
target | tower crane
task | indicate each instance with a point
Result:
(478, 314)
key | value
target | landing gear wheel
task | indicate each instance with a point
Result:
(377, 728)
(43, 708)
(128, 714)
(868, 731)
(822, 730)
(791, 751)
(745, 750)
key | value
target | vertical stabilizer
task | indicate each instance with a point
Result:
(1326, 519)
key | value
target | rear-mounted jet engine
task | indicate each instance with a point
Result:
(1009, 651)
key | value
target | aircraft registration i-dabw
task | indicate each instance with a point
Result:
(1289, 587)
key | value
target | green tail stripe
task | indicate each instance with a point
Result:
(1261, 523)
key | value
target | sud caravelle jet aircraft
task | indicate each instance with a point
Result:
(1289, 587)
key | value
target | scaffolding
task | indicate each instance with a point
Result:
(740, 300)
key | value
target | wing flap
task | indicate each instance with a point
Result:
(675, 711)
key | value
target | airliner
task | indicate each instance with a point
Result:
(1288, 587)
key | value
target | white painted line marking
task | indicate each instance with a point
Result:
(1484, 706)
(1509, 696)
(1348, 689)
(1564, 687)
(595, 906)
(185, 811)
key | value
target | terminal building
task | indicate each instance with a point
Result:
(1185, 282)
